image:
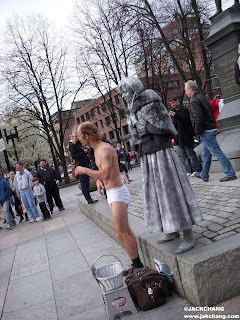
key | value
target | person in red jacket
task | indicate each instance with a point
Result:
(217, 105)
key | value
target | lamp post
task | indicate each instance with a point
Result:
(11, 136)
(5, 154)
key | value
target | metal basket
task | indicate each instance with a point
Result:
(110, 276)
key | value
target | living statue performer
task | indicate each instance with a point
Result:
(169, 202)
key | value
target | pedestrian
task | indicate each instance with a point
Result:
(205, 126)
(24, 185)
(169, 202)
(122, 167)
(117, 194)
(81, 159)
(48, 177)
(5, 193)
(17, 201)
(185, 135)
(40, 194)
(217, 105)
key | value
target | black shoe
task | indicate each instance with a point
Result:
(226, 178)
(5, 221)
(21, 220)
(197, 174)
(61, 209)
(92, 201)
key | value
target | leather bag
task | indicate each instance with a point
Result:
(148, 288)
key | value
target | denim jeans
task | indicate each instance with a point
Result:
(29, 203)
(211, 147)
(84, 180)
(190, 159)
(8, 216)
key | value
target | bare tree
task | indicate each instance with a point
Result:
(180, 27)
(34, 68)
(104, 48)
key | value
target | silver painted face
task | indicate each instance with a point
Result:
(127, 95)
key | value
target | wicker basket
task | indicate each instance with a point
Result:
(111, 275)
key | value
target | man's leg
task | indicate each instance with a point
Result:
(207, 159)
(193, 159)
(30, 199)
(84, 181)
(123, 231)
(8, 215)
(211, 143)
(56, 196)
(186, 160)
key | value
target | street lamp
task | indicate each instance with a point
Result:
(11, 136)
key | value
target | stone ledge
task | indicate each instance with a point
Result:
(206, 275)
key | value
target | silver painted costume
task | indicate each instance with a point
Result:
(169, 202)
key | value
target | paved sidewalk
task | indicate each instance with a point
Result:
(45, 266)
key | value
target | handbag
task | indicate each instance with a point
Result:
(148, 288)
(75, 176)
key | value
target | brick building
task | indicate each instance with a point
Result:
(104, 112)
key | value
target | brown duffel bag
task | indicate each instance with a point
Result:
(148, 288)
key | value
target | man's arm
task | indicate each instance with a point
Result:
(198, 119)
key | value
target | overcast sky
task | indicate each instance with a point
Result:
(57, 10)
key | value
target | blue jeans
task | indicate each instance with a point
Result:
(29, 203)
(7, 214)
(211, 147)
(190, 159)
(84, 180)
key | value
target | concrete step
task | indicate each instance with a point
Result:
(206, 275)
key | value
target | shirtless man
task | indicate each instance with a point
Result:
(108, 176)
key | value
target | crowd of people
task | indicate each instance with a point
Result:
(169, 203)
(25, 191)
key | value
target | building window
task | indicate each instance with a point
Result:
(103, 105)
(98, 109)
(96, 124)
(111, 135)
(117, 99)
(87, 116)
(78, 120)
(108, 121)
(114, 117)
(125, 130)
(121, 114)
(82, 118)
(67, 125)
(215, 83)
(171, 85)
(101, 122)
(92, 112)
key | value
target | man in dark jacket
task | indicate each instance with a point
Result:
(48, 177)
(205, 126)
(185, 137)
(5, 192)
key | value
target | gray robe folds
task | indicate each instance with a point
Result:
(169, 202)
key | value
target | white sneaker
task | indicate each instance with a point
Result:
(38, 219)
(31, 220)
(194, 174)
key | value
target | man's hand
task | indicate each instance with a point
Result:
(172, 113)
(100, 186)
(35, 196)
(80, 170)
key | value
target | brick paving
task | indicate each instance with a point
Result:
(219, 204)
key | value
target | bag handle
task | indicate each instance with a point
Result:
(105, 255)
